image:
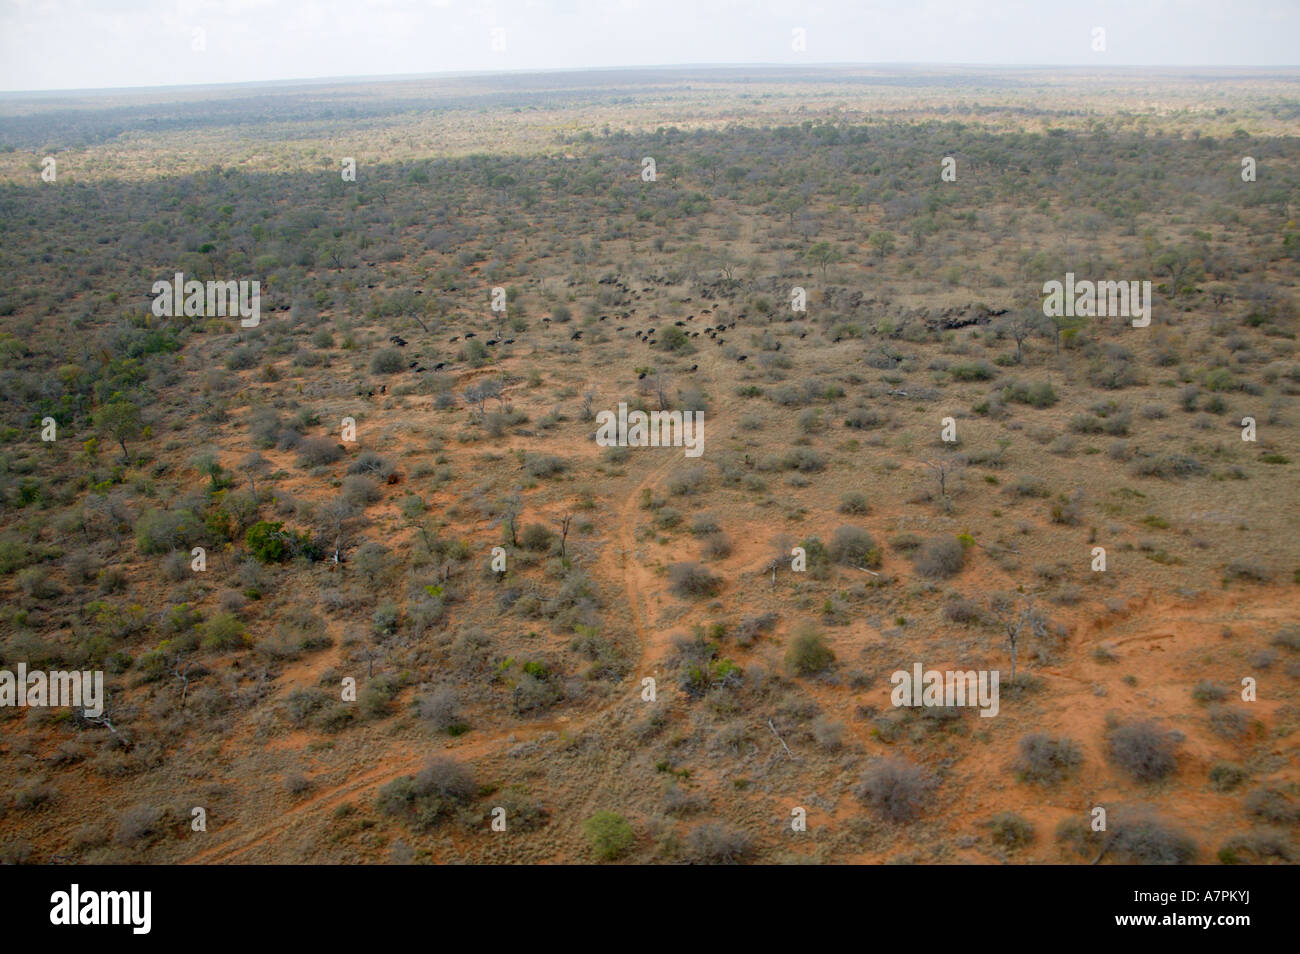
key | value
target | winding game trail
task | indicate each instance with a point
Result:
(637, 579)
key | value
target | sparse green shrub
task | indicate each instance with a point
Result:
(972, 371)
(863, 419)
(855, 504)
(387, 361)
(608, 834)
(809, 653)
(853, 546)
(1258, 846)
(223, 632)
(1011, 831)
(537, 538)
(1224, 776)
(376, 699)
(1038, 394)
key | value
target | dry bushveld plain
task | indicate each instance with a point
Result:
(279, 541)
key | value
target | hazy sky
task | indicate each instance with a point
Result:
(70, 44)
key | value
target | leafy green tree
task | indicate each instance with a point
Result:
(1183, 266)
(882, 243)
(119, 420)
(824, 254)
(673, 338)
(271, 543)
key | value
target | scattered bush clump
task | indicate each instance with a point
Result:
(809, 653)
(1144, 750)
(544, 465)
(692, 581)
(1011, 831)
(961, 610)
(1045, 759)
(1038, 394)
(1148, 840)
(853, 546)
(139, 823)
(714, 843)
(940, 557)
(1257, 846)
(855, 504)
(895, 788)
(1228, 722)
(387, 361)
(317, 451)
(1272, 805)
(429, 797)
(371, 464)
(1224, 776)
(537, 538)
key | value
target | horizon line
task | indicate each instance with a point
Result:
(376, 78)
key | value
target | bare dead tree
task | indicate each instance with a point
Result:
(370, 652)
(183, 674)
(1105, 847)
(252, 465)
(1020, 326)
(941, 471)
(338, 520)
(565, 521)
(510, 520)
(1017, 617)
(104, 720)
(781, 740)
(783, 544)
(477, 395)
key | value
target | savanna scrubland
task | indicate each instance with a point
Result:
(371, 558)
